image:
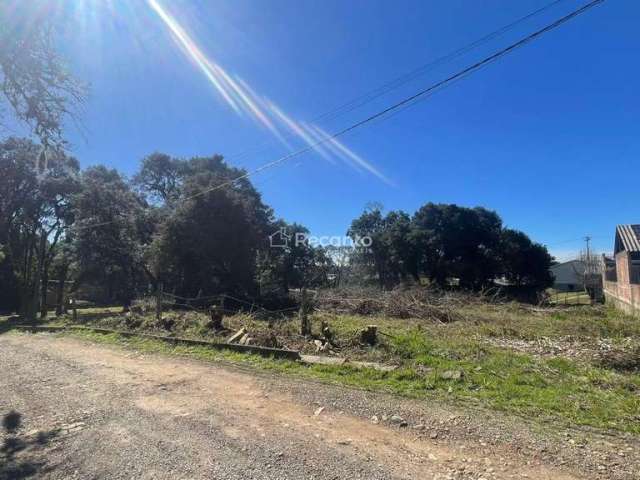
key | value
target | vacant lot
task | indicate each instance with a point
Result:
(74, 409)
(561, 365)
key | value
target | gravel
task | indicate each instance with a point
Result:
(94, 412)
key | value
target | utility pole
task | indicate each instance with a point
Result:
(587, 239)
(590, 270)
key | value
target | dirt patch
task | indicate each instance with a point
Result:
(622, 356)
(188, 401)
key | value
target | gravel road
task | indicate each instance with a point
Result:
(73, 409)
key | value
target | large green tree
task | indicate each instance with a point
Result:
(212, 226)
(458, 242)
(384, 245)
(293, 264)
(36, 209)
(375, 256)
(111, 235)
(447, 243)
(161, 177)
(525, 263)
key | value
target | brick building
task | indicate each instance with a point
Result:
(621, 275)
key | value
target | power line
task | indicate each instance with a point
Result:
(409, 101)
(407, 77)
(393, 84)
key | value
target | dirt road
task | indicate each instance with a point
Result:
(79, 410)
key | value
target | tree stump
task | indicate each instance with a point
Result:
(327, 333)
(215, 319)
(369, 335)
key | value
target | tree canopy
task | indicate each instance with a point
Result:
(446, 243)
(34, 80)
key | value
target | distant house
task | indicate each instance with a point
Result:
(568, 276)
(621, 275)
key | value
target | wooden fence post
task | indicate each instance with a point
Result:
(216, 313)
(303, 314)
(72, 301)
(159, 302)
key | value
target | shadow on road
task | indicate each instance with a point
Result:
(18, 452)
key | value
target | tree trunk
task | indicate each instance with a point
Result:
(26, 303)
(38, 280)
(305, 324)
(159, 302)
(60, 304)
(44, 287)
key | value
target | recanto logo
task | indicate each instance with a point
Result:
(281, 238)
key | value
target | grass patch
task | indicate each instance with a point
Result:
(556, 389)
(451, 361)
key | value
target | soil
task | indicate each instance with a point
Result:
(94, 411)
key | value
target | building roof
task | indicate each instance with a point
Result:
(568, 262)
(627, 238)
(568, 272)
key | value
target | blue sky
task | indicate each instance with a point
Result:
(549, 136)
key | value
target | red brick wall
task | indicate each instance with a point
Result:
(622, 267)
(626, 297)
(623, 294)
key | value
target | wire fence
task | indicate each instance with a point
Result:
(576, 297)
(221, 302)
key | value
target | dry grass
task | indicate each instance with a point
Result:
(473, 359)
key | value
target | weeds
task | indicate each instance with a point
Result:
(453, 361)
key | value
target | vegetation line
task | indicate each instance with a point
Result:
(255, 349)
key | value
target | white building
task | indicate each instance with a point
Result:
(568, 276)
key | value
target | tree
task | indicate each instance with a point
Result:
(209, 243)
(524, 262)
(110, 234)
(400, 245)
(391, 255)
(9, 292)
(33, 79)
(212, 232)
(36, 210)
(61, 270)
(376, 257)
(457, 242)
(297, 264)
(341, 265)
(160, 177)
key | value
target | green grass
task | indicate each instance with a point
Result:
(578, 393)
(520, 322)
(512, 320)
(557, 390)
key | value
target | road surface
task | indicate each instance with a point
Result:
(74, 409)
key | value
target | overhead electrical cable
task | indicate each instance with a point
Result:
(406, 102)
(413, 99)
(407, 77)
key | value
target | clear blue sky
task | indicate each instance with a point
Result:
(549, 136)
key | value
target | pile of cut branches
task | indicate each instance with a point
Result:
(421, 303)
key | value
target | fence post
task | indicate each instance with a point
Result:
(72, 301)
(159, 302)
(303, 314)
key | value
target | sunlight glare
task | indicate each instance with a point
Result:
(242, 99)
